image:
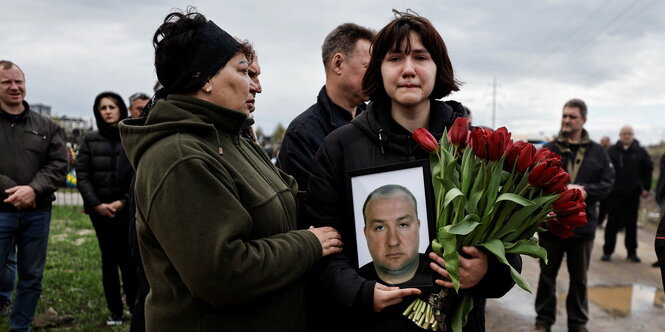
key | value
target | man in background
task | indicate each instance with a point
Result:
(33, 164)
(137, 102)
(254, 71)
(345, 53)
(633, 169)
(590, 172)
(660, 235)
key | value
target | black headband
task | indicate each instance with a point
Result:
(210, 50)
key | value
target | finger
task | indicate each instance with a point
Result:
(443, 283)
(437, 258)
(470, 250)
(409, 291)
(441, 271)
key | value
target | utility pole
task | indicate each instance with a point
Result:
(494, 103)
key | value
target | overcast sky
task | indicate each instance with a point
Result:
(611, 53)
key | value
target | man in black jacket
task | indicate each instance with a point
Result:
(590, 171)
(33, 163)
(345, 57)
(660, 235)
(633, 179)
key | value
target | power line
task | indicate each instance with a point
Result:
(567, 38)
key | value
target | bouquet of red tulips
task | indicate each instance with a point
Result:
(494, 193)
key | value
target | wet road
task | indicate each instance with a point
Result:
(623, 296)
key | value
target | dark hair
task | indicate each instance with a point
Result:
(580, 104)
(174, 42)
(391, 38)
(122, 108)
(343, 40)
(387, 191)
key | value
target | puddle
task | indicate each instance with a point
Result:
(626, 300)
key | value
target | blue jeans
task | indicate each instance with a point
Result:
(8, 278)
(27, 232)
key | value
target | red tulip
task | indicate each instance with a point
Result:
(459, 132)
(479, 142)
(512, 154)
(559, 229)
(568, 208)
(426, 141)
(520, 153)
(574, 221)
(497, 142)
(558, 182)
(541, 174)
(545, 154)
(574, 195)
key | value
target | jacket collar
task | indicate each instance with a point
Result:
(337, 115)
(564, 146)
(16, 117)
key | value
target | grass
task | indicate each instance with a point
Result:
(72, 283)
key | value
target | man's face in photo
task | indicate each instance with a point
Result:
(393, 237)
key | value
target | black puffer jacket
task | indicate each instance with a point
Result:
(103, 171)
(595, 174)
(633, 169)
(374, 139)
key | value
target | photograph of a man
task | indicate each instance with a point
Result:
(392, 232)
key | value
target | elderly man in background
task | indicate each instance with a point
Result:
(633, 168)
(137, 103)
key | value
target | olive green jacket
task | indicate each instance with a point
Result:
(216, 223)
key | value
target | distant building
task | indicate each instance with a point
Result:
(74, 128)
(41, 109)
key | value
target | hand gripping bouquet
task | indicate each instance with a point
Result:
(494, 194)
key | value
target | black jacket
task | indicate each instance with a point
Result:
(633, 169)
(595, 174)
(306, 133)
(659, 246)
(374, 139)
(32, 152)
(103, 171)
(660, 187)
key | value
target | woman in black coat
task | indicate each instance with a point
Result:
(103, 177)
(408, 71)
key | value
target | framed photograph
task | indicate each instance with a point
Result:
(394, 223)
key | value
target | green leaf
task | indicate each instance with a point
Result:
(493, 186)
(451, 195)
(514, 198)
(496, 248)
(467, 170)
(437, 247)
(472, 204)
(466, 226)
(527, 247)
(449, 242)
(461, 314)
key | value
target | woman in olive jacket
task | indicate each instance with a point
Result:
(216, 220)
(103, 177)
